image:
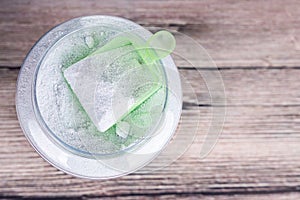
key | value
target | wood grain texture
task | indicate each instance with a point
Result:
(235, 33)
(256, 156)
(255, 44)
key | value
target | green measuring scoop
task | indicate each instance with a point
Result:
(119, 76)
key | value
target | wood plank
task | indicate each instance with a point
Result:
(237, 165)
(285, 196)
(223, 197)
(257, 153)
(235, 33)
(253, 87)
(279, 196)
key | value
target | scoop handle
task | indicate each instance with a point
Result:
(158, 46)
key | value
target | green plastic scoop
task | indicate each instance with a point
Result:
(163, 43)
(120, 76)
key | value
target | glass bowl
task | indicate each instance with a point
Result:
(80, 157)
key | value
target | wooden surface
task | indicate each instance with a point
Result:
(256, 46)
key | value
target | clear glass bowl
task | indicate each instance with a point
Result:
(51, 145)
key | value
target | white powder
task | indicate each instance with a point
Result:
(63, 114)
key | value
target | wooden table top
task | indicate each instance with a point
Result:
(256, 46)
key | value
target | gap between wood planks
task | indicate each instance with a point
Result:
(204, 68)
(258, 196)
